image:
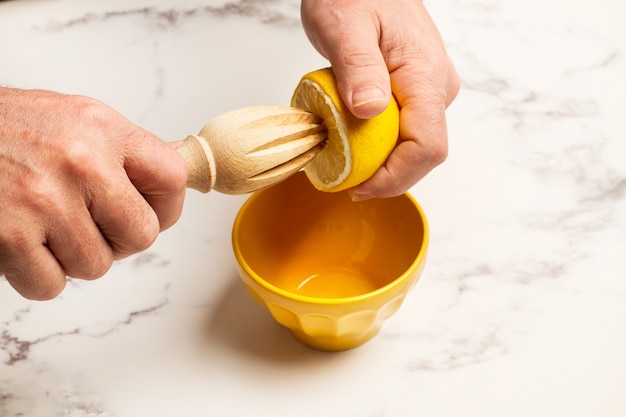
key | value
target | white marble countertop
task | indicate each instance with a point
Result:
(521, 310)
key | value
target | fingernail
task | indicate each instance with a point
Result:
(360, 195)
(367, 95)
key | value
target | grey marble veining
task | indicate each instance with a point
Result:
(174, 16)
(521, 309)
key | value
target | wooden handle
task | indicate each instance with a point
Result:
(252, 148)
(200, 163)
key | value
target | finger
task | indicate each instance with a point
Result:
(353, 49)
(124, 218)
(160, 174)
(39, 276)
(362, 77)
(78, 245)
(423, 136)
(410, 161)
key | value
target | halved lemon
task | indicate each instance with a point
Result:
(355, 148)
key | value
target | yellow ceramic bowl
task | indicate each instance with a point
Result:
(329, 269)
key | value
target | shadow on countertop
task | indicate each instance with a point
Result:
(241, 324)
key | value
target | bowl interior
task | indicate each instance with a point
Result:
(323, 245)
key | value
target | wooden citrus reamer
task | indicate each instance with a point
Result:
(251, 148)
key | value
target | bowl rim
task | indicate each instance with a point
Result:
(420, 259)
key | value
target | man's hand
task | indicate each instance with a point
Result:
(80, 186)
(378, 48)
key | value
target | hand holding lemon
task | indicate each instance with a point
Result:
(382, 49)
(355, 148)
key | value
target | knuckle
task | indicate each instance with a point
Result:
(81, 156)
(436, 153)
(83, 162)
(45, 290)
(360, 58)
(147, 233)
(34, 280)
(90, 263)
(137, 238)
(90, 110)
(41, 196)
(95, 268)
(16, 246)
(78, 158)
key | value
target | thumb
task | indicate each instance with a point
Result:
(362, 76)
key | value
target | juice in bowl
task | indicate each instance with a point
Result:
(329, 269)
